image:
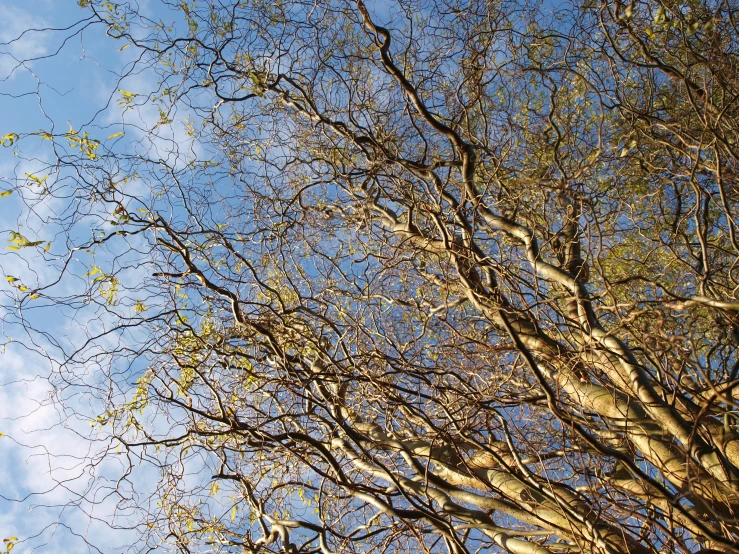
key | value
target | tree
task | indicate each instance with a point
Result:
(428, 276)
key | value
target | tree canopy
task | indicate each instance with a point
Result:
(410, 276)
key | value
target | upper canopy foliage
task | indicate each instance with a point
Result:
(410, 276)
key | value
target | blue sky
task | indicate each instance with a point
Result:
(72, 79)
(44, 449)
(48, 450)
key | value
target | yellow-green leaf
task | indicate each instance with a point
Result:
(122, 48)
(22, 242)
(37, 180)
(660, 17)
(9, 139)
(114, 135)
(5, 193)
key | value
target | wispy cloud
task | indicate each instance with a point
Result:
(16, 43)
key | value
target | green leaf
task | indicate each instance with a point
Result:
(37, 180)
(660, 17)
(9, 139)
(21, 242)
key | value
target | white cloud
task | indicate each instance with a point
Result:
(46, 462)
(16, 46)
(48, 452)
